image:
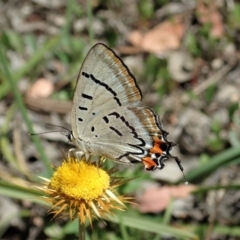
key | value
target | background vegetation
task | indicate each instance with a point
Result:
(185, 57)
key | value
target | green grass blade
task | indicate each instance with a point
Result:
(31, 63)
(23, 110)
(150, 226)
(5, 145)
(217, 187)
(219, 160)
(17, 192)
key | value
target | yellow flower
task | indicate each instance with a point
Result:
(83, 190)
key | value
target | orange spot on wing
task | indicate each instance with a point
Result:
(149, 163)
(158, 144)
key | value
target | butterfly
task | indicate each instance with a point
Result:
(108, 118)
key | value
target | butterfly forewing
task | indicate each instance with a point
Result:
(104, 83)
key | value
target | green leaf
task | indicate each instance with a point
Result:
(227, 157)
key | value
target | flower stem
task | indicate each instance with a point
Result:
(81, 228)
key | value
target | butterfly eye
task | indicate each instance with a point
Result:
(70, 136)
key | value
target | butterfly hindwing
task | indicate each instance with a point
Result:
(118, 133)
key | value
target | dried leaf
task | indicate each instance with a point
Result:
(157, 199)
(209, 13)
(42, 88)
(163, 37)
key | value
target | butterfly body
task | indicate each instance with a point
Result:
(108, 118)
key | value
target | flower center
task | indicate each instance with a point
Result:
(80, 180)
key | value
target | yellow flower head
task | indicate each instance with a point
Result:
(83, 190)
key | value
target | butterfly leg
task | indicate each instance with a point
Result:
(75, 153)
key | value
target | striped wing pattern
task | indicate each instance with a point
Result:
(107, 117)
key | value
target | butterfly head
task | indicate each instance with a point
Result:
(70, 136)
(72, 139)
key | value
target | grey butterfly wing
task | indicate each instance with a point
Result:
(107, 118)
(125, 134)
(104, 83)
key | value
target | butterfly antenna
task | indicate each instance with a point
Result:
(181, 168)
(52, 125)
(33, 134)
(69, 132)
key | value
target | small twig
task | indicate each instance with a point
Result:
(48, 105)
(213, 79)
